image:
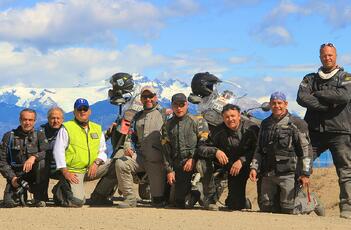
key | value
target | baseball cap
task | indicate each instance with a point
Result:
(179, 98)
(148, 88)
(81, 102)
(278, 96)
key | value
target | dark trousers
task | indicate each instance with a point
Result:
(182, 185)
(48, 171)
(236, 199)
(206, 168)
(36, 180)
(340, 148)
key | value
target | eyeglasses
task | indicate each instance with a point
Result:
(83, 108)
(150, 96)
(181, 104)
(327, 44)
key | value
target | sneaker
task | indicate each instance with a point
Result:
(128, 204)
(345, 214)
(319, 207)
(211, 207)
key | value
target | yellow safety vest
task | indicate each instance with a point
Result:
(83, 147)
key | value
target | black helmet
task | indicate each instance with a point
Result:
(122, 84)
(202, 84)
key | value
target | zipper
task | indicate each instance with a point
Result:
(179, 154)
(87, 136)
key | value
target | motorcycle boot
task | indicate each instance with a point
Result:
(129, 202)
(97, 200)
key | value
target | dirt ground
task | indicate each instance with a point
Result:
(324, 182)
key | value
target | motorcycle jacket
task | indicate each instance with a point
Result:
(327, 102)
(145, 134)
(181, 137)
(17, 146)
(283, 147)
(236, 144)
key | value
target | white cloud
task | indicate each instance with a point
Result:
(268, 79)
(336, 13)
(239, 60)
(180, 8)
(70, 21)
(273, 29)
(73, 66)
(274, 35)
(286, 8)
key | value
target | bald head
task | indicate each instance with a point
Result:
(327, 55)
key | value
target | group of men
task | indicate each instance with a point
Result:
(278, 155)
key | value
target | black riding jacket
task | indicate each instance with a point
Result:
(236, 144)
(327, 102)
(16, 147)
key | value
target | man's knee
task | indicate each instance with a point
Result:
(122, 165)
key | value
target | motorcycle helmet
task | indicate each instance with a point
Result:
(122, 87)
(202, 84)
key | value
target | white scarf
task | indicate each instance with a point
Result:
(326, 76)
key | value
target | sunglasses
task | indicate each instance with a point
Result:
(327, 44)
(83, 108)
(181, 104)
(150, 96)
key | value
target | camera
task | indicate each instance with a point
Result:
(23, 186)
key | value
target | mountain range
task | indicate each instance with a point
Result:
(14, 98)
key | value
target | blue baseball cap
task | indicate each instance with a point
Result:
(278, 96)
(80, 102)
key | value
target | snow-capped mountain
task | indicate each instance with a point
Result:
(14, 98)
(44, 98)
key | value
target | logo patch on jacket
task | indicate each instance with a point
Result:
(94, 135)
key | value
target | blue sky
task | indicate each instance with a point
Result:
(262, 45)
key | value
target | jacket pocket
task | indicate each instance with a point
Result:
(285, 139)
(285, 164)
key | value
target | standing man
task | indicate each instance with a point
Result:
(283, 157)
(51, 128)
(142, 152)
(181, 136)
(22, 156)
(326, 95)
(80, 151)
(230, 146)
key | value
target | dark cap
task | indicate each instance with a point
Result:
(179, 98)
(278, 96)
(81, 102)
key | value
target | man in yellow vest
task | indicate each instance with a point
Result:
(80, 151)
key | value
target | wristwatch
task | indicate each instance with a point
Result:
(98, 161)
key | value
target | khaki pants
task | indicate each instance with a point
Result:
(78, 189)
(126, 167)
